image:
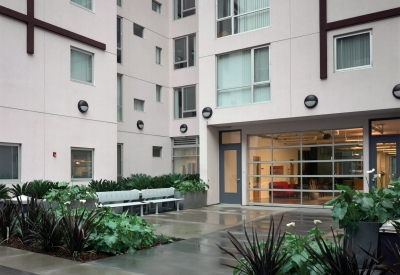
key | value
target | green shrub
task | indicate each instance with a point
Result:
(4, 192)
(121, 233)
(193, 186)
(65, 194)
(105, 185)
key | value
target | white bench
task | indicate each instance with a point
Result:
(160, 195)
(132, 196)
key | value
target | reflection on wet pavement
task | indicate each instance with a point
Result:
(202, 229)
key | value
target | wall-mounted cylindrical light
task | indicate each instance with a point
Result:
(207, 112)
(311, 101)
(183, 128)
(83, 106)
(140, 124)
(396, 91)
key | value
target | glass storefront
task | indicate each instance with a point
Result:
(303, 167)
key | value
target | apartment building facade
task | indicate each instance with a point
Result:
(271, 102)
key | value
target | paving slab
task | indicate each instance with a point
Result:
(202, 230)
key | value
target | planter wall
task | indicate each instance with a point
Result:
(192, 200)
(366, 235)
(89, 204)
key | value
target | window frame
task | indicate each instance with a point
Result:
(82, 149)
(137, 99)
(183, 99)
(134, 24)
(182, 10)
(335, 38)
(80, 6)
(253, 83)
(119, 19)
(159, 53)
(186, 37)
(157, 3)
(161, 151)
(120, 161)
(85, 52)
(18, 179)
(159, 90)
(119, 95)
(232, 16)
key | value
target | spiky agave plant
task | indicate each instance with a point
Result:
(338, 259)
(259, 257)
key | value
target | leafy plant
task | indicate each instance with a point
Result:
(8, 220)
(121, 233)
(259, 257)
(338, 259)
(193, 186)
(47, 231)
(351, 207)
(139, 181)
(4, 192)
(78, 226)
(105, 185)
(18, 190)
(71, 193)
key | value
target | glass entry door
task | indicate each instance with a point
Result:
(230, 176)
(384, 158)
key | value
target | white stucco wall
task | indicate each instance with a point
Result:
(39, 101)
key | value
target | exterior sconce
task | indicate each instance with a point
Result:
(183, 128)
(311, 101)
(83, 106)
(140, 124)
(207, 112)
(396, 91)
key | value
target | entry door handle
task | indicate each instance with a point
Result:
(238, 179)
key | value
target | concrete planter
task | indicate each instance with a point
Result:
(89, 204)
(192, 200)
(366, 235)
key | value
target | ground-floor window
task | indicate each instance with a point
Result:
(9, 161)
(119, 161)
(186, 155)
(303, 167)
(81, 163)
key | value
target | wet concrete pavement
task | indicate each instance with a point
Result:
(201, 228)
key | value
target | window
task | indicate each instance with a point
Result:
(158, 55)
(158, 93)
(185, 52)
(237, 16)
(353, 51)
(119, 39)
(186, 155)
(82, 163)
(156, 6)
(138, 30)
(184, 8)
(119, 3)
(138, 105)
(119, 161)
(87, 4)
(243, 77)
(119, 97)
(185, 102)
(81, 66)
(9, 161)
(157, 152)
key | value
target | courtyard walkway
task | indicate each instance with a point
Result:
(201, 228)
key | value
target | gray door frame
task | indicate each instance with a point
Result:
(230, 198)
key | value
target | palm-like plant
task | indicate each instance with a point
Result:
(7, 220)
(259, 257)
(4, 192)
